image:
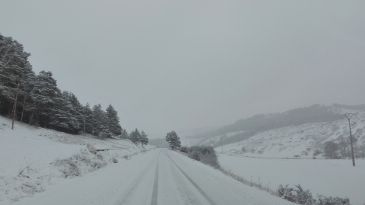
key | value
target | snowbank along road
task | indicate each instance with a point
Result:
(158, 177)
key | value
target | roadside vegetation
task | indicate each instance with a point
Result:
(204, 154)
(301, 196)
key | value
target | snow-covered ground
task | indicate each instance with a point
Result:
(157, 177)
(33, 159)
(325, 177)
(300, 141)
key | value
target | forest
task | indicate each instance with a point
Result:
(35, 99)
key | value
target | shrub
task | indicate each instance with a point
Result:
(316, 153)
(184, 149)
(331, 150)
(322, 200)
(205, 154)
(300, 196)
(296, 194)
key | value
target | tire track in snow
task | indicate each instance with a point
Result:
(135, 183)
(155, 186)
(201, 191)
(189, 196)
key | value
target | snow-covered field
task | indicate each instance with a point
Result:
(32, 159)
(325, 177)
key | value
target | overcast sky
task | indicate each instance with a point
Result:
(184, 64)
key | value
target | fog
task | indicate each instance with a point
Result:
(169, 64)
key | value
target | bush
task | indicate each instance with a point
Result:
(331, 150)
(296, 194)
(316, 153)
(322, 200)
(205, 154)
(300, 196)
(184, 149)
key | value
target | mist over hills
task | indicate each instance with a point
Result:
(246, 128)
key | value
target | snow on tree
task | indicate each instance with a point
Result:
(100, 122)
(144, 138)
(124, 134)
(64, 116)
(135, 136)
(113, 121)
(13, 63)
(173, 140)
(44, 95)
(27, 86)
(36, 99)
(88, 119)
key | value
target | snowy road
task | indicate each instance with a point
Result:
(158, 177)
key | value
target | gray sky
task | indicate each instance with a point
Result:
(169, 64)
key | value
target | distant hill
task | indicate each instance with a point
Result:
(246, 128)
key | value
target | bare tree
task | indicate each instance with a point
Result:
(349, 118)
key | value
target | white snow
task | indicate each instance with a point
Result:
(157, 177)
(325, 177)
(32, 159)
(297, 141)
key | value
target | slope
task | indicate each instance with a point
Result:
(33, 158)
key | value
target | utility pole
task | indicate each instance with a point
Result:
(348, 117)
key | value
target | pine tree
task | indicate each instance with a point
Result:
(173, 140)
(113, 121)
(75, 109)
(27, 87)
(144, 138)
(13, 63)
(100, 122)
(88, 119)
(135, 136)
(63, 116)
(44, 96)
(124, 134)
(36, 99)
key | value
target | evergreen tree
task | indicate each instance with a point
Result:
(124, 134)
(63, 115)
(88, 119)
(75, 109)
(44, 96)
(36, 99)
(100, 122)
(27, 87)
(135, 136)
(13, 63)
(144, 138)
(173, 140)
(113, 121)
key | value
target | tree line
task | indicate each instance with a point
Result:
(36, 99)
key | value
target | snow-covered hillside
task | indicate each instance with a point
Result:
(304, 141)
(246, 128)
(34, 158)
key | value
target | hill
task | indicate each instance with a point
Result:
(33, 158)
(298, 132)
